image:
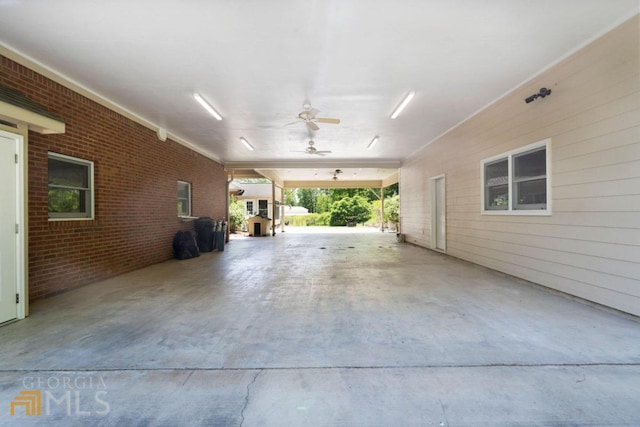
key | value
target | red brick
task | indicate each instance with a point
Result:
(135, 190)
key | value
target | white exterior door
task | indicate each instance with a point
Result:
(438, 214)
(8, 227)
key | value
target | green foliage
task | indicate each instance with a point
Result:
(309, 220)
(376, 213)
(354, 209)
(307, 198)
(290, 196)
(236, 214)
(323, 202)
(392, 210)
(64, 200)
(391, 190)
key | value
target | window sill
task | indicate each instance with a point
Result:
(70, 219)
(518, 213)
(184, 218)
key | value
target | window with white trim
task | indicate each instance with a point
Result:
(184, 198)
(263, 208)
(249, 204)
(70, 187)
(518, 182)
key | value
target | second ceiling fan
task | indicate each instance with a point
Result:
(313, 150)
(308, 117)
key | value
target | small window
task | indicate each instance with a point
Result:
(263, 208)
(250, 207)
(184, 198)
(518, 181)
(70, 188)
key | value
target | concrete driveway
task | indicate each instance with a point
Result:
(347, 329)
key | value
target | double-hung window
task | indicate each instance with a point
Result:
(263, 208)
(184, 198)
(70, 188)
(518, 182)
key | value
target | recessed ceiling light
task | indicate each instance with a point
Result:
(403, 104)
(246, 143)
(207, 106)
(372, 143)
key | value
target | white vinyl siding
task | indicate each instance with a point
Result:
(590, 246)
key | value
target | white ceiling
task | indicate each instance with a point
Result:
(257, 62)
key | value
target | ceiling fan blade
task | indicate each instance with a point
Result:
(312, 113)
(323, 152)
(312, 125)
(327, 120)
(293, 123)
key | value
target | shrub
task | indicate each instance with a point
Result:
(354, 209)
(313, 219)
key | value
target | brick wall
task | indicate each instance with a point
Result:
(135, 190)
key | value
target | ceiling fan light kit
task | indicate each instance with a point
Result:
(207, 106)
(308, 117)
(313, 150)
(407, 99)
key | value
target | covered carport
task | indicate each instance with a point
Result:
(375, 175)
(513, 131)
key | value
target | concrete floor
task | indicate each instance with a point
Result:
(349, 329)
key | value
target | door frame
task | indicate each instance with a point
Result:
(433, 182)
(19, 136)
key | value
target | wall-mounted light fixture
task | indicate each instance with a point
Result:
(407, 99)
(207, 106)
(246, 143)
(373, 142)
(543, 92)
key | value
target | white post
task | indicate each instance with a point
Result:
(273, 213)
(382, 209)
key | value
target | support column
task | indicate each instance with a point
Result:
(274, 207)
(382, 209)
(282, 210)
(227, 202)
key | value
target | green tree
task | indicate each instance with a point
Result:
(350, 209)
(290, 196)
(323, 201)
(391, 190)
(307, 198)
(236, 214)
(392, 210)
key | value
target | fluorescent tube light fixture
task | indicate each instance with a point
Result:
(207, 106)
(403, 104)
(246, 143)
(372, 143)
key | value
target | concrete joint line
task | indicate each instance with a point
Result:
(339, 367)
(246, 397)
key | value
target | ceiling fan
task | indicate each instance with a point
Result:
(308, 116)
(313, 150)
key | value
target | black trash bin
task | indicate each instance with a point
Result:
(205, 227)
(219, 235)
(184, 245)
